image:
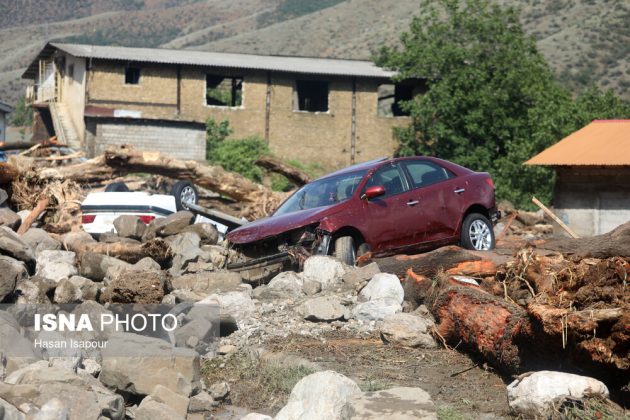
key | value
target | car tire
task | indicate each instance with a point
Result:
(184, 192)
(117, 187)
(344, 250)
(477, 233)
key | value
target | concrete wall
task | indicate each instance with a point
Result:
(324, 138)
(73, 93)
(183, 141)
(594, 200)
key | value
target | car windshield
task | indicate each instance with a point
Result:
(323, 192)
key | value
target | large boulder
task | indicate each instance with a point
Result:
(408, 330)
(357, 278)
(176, 402)
(236, 304)
(151, 409)
(382, 296)
(327, 270)
(130, 226)
(10, 412)
(11, 272)
(207, 232)
(323, 308)
(286, 285)
(185, 248)
(400, 403)
(97, 266)
(56, 265)
(76, 289)
(40, 240)
(537, 394)
(17, 350)
(321, 395)
(13, 246)
(136, 364)
(9, 218)
(82, 395)
(133, 286)
(208, 282)
(170, 225)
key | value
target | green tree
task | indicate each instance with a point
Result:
(492, 101)
(22, 115)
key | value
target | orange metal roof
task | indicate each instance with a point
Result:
(602, 142)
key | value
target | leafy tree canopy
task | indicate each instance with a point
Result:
(22, 115)
(492, 101)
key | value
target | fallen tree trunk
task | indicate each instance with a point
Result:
(33, 215)
(124, 159)
(294, 175)
(428, 264)
(156, 249)
(615, 243)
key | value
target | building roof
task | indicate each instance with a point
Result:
(304, 65)
(601, 143)
(5, 108)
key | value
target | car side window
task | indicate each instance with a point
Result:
(425, 173)
(390, 178)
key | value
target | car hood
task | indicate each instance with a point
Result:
(275, 225)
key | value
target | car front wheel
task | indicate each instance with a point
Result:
(184, 193)
(477, 233)
(344, 250)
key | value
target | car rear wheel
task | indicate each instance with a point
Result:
(344, 250)
(184, 193)
(117, 187)
(477, 233)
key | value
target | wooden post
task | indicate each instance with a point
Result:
(555, 218)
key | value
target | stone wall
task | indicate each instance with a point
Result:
(593, 200)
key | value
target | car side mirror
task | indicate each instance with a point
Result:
(373, 192)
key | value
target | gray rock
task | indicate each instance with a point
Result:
(129, 226)
(112, 238)
(17, 349)
(39, 240)
(321, 395)
(201, 329)
(13, 246)
(376, 310)
(201, 403)
(324, 308)
(4, 196)
(286, 285)
(33, 290)
(178, 403)
(214, 254)
(170, 225)
(147, 363)
(9, 218)
(311, 287)
(53, 409)
(402, 403)
(73, 240)
(327, 270)
(9, 411)
(408, 330)
(146, 264)
(150, 409)
(185, 248)
(257, 416)
(96, 266)
(219, 391)
(56, 265)
(357, 278)
(236, 304)
(76, 289)
(207, 232)
(208, 282)
(382, 286)
(11, 272)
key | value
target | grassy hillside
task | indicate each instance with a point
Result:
(586, 41)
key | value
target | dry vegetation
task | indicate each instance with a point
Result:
(585, 41)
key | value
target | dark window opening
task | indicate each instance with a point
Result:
(71, 71)
(311, 96)
(224, 91)
(390, 99)
(132, 75)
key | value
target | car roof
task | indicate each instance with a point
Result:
(359, 166)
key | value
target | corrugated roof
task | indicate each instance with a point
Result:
(602, 142)
(304, 65)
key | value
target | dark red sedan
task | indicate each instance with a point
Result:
(382, 206)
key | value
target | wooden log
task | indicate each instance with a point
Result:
(427, 264)
(294, 175)
(615, 243)
(124, 159)
(156, 249)
(41, 206)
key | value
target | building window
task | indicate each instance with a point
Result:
(224, 91)
(311, 96)
(132, 75)
(390, 98)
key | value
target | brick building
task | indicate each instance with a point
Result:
(331, 112)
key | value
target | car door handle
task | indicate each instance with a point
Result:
(459, 190)
(412, 203)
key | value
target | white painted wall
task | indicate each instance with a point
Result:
(73, 94)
